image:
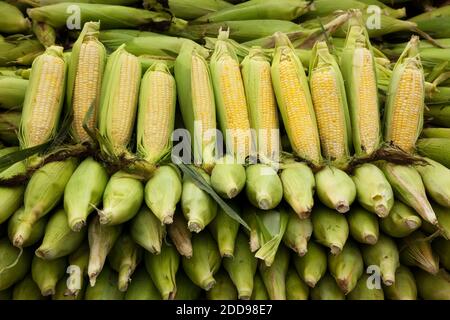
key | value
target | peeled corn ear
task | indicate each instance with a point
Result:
(405, 99)
(197, 104)
(44, 98)
(230, 97)
(118, 103)
(156, 113)
(294, 100)
(358, 70)
(330, 104)
(84, 82)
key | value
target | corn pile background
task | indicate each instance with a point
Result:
(356, 207)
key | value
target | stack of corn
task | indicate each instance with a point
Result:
(287, 158)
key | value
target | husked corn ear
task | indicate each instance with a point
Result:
(230, 97)
(44, 98)
(358, 70)
(118, 101)
(87, 63)
(405, 99)
(197, 104)
(262, 105)
(330, 104)
(294, 101)
(156, 113)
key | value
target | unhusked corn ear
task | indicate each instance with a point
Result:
(312, 266)
(433, 287)
(432, 148)
(142, 287)
(46, 273)
(188, 9)
(26, 289)
(436, 133)
(13, 20)
(330, 104)
(84, 82)
(415, 251)
(259, 289)
(15, 223)
(297, 234)
(180, 235)
(43, 192)
(186, 289)
(363, 292)
(330, 228)
(147, 231)
(230, 97)
(44, 98)
(294, 101)
(327, 289)
(401, 221)
(156, 117)
(363, 225)
(359, 73)
(197, 104)
(404, 287)
(228, 177)
(436, 179)
(224, 288)
(263, 187)
(274, 276)
(118, 101)
(405, 99)
(296, 289)
(262, 107)
(224, 230)
(105, 288)
(12, 272)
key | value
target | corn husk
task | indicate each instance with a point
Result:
(27, 289)
(363, 292)
(404, 287)
(37, 230)
(228, 177)
(401, 222)
(14, 264)
(186, 289)
(436, 179)
(415, 251)
(224, 288)
(263, 187)
(9, 127)
(313, 265)
(19, 50)
(433, 287)
(79, 261)
(224, 230)
(363, 225)
(61, 291)
(13, 20)
(298, 232)
(432, 148)
(296, 289)
(187, 9)
(147, 231)
(47, 273)
(327, 289)
(180, 235)
(105, 288)
(259, 289)
(12, 92)
(274, 276)
(142, 287)
(442, 248)
(330, 228)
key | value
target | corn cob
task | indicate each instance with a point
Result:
(439, 115)
(408, 188)
(327, 289)
(228, 177)
(27, 289)
(240, 30)
(13, 20)
(198, 207)
(84, 80)
(274, 276)
(180, 235)
(259, 289)
(230, 98)
(162, 269)
(442, 248)
(224, 230)
(12, 92)
(124, 258)
(42, 194)
(296, 289)
(330, 228)
(298, 187)
(142, 287)
(197, 104)
(224, 288)
(436, 133)
(312, 266)
(12, 272)
(363, 292)
(259, 9)
(335, 189)
(47, 273)
(256, 73)
(101, 240)
(404, 287)
(186, 289)
(188, 9)
(405, 100)
(37, 231)
(44, 98)
(105, 288)
(147, 231)
(110, 16)
(359, 73)
(363, 225)
(325, 7)
(9, 127)
(205, 261)
(432, 148)
(294, 101)
(415, 251)
(82, 194)
(436, 179)
(241, 267)
(433, 287)
(118, 101)
(373, 190)
(298, 232)
(163, 192)
(19, 50)
(383, 254)
(346, 267)
(330, 104)
(11, 198)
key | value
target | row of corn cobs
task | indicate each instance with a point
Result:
(348, 210)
